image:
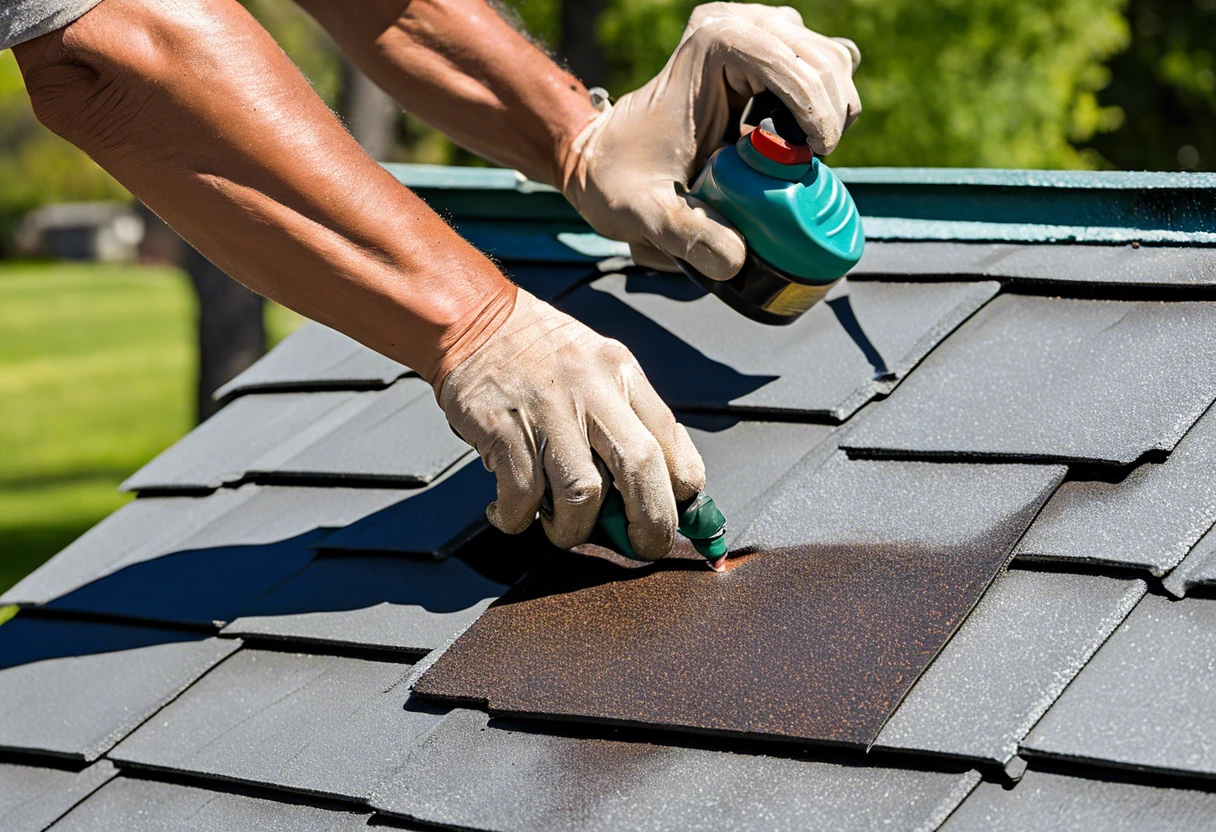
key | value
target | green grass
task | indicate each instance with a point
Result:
(96, 378)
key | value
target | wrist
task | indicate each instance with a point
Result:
(570, 139)
(473, 325)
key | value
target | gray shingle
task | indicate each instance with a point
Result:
(1037, 264)
(215, 565)
(224, 448)
(428, 521)
(315, 357)
(386, 602)
(32, 798)
(699, 353)
(744, 459)
(75, 688)
(1149, 520)
(1057, 802)
(1052, 379)
(1026, 639)
(467, 775)
(829, 499)
(1145, 699)
(401, 437)
(1197, 569)
(319, 725)
(397, 435)
(148, 806)
(141, 530)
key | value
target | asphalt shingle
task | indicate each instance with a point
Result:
(293, 436)
(1149, 520)
(1054, 801)
(73, 689)
(433, 520)
(32, 798)
(699, 353)
(401, 437)
(214, 569)
(1144, 701)
(320, 725)
(743, 459)
(1051, 379)
(315, 357)
(141, 530)
(1063, 264)
(1198, 569)
(817, 637)
(391, 603)
(147, 806)
(468, 774)
(1026, 639)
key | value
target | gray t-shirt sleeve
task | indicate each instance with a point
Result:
(22, 20)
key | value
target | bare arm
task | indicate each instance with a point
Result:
(627, 168)
(192, 106)
(460, 67)
(197, 111)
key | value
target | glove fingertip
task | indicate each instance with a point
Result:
(494, 515)
(717, 249)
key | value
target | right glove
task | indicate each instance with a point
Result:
(628, 171)
(540, 400)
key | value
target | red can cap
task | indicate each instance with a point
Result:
(772, 146)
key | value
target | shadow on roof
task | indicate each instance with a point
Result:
(223, 582)
(679, 371)
(28, 639)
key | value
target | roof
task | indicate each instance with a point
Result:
(971, 502)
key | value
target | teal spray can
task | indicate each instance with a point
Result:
(802, 230)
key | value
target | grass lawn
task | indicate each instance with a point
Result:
(96, 377)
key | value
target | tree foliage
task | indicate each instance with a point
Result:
(949, 83)
(36, 166)
(1010, 83)
(1165, 84)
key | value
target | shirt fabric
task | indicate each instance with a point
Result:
(22, 20)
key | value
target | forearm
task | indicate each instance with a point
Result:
(461, 68)
(195, 109)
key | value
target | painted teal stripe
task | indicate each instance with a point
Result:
(1099, 207)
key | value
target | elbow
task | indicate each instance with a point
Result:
(95, 79)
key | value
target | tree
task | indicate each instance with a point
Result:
(950, 83)
(36, 166)
(1165, 86)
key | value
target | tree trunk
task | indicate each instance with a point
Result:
(580, 48)
(231, 331)
(369, 113)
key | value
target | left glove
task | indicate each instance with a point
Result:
(628, 171)
(548, 404)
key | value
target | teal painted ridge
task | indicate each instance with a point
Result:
(913, 230)
(1001, 178)
(501, 179)
(896, 203)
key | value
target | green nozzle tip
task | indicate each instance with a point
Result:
(710, 549)
(700, 522)
(703, 524)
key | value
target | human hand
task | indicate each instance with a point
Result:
(549, 403)
(628, 171)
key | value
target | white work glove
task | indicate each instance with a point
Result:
(545, 396)
(627, 171)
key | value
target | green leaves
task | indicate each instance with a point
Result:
(953, 83)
